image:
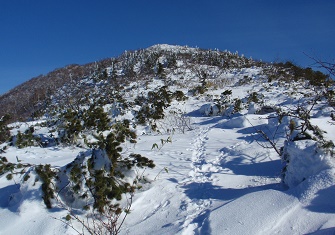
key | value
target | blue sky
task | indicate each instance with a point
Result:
(38, 36)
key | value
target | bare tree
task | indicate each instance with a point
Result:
(330, 67)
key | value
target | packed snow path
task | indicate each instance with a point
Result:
(199, 177)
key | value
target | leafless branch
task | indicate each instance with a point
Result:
(330, 67)
(265, 137)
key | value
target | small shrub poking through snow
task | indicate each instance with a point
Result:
(306, 152)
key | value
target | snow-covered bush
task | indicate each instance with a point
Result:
(97, 179)
(94, 182)
(47, 175)
(26, 139)
(255, 98)
(302, 159)
(179, 96)
(253, 108)
(305, 152)
(209, 110)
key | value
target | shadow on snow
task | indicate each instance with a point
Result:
(324, 201)
(266, 169)
(330, 231)
(198, 191)
(11, 197)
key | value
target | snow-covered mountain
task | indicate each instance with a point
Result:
(176, 140)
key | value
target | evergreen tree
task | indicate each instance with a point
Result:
(4, 130)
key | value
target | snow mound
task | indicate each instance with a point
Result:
(252, 108)
(235, 122)
(209, 110)
(318, 190)
(304, 159)
(254, 213)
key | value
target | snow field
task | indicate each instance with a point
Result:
(214, 179)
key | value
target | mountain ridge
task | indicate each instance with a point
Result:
(20, 102)
(25, 100)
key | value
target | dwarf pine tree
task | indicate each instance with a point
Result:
(96, 178)
(153, 105)
(96, 118)
(46, 174)
(70, 125)
(4, 130)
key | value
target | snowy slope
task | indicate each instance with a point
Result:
(216, 178)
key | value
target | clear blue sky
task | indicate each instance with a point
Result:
(37, 36)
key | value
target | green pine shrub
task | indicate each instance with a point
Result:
(4, 130)
(152, 106)
(46, 174)
(26, 139)
(179, 96)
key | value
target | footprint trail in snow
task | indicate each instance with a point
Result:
(211, 167)
(198, 201)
